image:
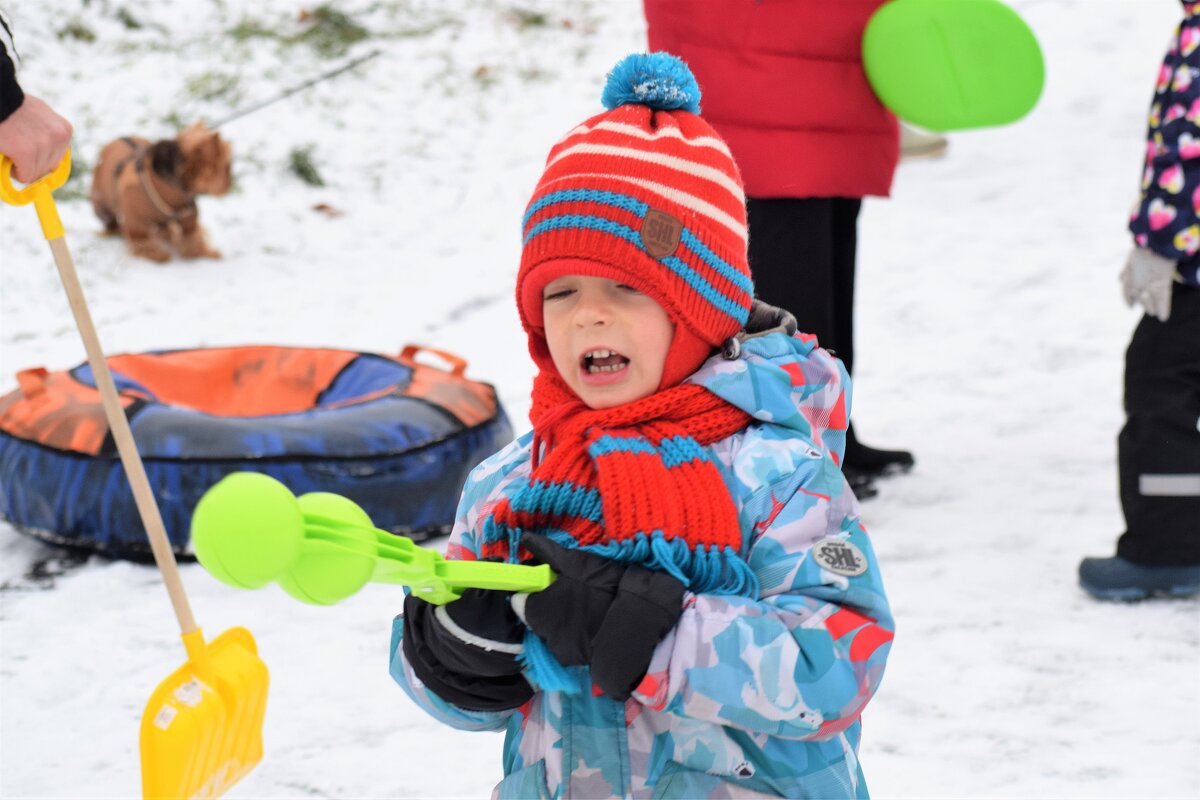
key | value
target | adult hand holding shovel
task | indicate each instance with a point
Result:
(202, 728)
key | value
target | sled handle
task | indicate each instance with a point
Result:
(458, 364)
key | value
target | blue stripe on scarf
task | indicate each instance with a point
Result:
(673, 450)
(607, 445)
(561, 499)
(678, 450)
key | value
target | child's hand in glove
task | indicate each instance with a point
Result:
(601, 613)
(1147, 279)
(466, 651)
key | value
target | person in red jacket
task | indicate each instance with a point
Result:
(783, 83)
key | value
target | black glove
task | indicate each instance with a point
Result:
(466, 651)
(602, 613)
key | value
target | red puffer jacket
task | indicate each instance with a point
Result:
(782, 81)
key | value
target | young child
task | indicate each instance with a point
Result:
(718, 621)
(1158, 450)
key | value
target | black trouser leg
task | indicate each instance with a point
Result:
(792, 260)
(845, 253)
(1159, 447)
(802, 253)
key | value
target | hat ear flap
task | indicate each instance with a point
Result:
(687, 352)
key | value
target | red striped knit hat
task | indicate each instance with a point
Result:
(648, 194)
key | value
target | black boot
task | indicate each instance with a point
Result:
(871, 463)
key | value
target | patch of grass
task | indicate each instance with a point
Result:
(126, 18)
(525, 18)
(330, 32)
(76, 29)
(174, 121)
(78, 185)
(300, 164)
(325, 29)
(251, 29)
(422, 30)
(213, 85)
(531, 74)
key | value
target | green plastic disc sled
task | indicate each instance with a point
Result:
(949, 65)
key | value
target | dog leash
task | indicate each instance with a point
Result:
(289, 92)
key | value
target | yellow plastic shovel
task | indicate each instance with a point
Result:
(202, 729)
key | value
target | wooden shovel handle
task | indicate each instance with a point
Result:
(123, 436)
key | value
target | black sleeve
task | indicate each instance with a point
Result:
(11, 95)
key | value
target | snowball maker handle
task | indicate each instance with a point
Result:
(250, 530)
(427, 574)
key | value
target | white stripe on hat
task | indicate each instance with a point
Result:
(671, 162)
(671, 193)
(641, 133)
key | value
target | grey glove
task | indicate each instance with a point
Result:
(1147, 280)
(764, 319)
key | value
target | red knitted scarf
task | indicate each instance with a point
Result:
(631, 482)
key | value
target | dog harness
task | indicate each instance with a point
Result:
(137, 156)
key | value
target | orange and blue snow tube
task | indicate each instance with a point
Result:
(394, 434)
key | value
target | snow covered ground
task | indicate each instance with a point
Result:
(991, 342)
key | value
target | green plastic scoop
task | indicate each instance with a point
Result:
(249, 530)
(951, 65)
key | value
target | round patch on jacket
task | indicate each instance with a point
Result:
(840, 556)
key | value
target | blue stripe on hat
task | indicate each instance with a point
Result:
(739, 279)
(693, 279)
(639, 208)
(707, 290)
(615, 199)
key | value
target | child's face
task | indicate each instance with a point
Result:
(608, 341)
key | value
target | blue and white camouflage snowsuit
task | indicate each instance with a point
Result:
(745, 697)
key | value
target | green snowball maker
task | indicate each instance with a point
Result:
(950, 65)
(250, 530)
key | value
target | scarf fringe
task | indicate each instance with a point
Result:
(544, 669)
(705, 570)
(494, 532)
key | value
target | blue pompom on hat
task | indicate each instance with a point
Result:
(658, 80)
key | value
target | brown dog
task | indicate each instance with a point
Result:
(147, 192)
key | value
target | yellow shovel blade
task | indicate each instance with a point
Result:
(202, 729)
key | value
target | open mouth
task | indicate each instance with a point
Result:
(598, 361)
